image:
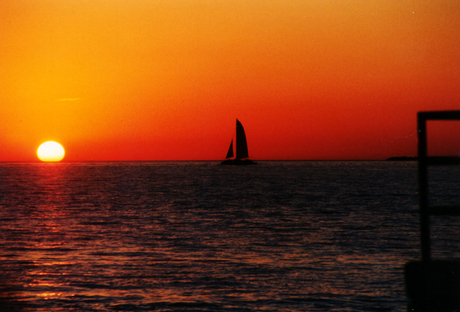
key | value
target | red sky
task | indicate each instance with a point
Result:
(165, 80)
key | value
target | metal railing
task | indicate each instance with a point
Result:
(424, 161)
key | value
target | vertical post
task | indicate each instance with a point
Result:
(423, 187)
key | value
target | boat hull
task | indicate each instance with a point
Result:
(238, 162)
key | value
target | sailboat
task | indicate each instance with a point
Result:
(240, 157)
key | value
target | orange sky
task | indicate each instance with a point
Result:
(165, 80)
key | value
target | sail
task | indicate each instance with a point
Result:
(241, 145)
(230, 150)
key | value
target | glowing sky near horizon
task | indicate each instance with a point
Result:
(165, 80)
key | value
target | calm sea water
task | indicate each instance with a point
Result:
(197, 236)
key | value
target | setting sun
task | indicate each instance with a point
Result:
(50, 151)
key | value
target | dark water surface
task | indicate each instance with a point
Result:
(197, 236)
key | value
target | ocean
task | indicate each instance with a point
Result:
(198, 236)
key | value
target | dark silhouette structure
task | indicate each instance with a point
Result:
(241, 149)
(432, 285)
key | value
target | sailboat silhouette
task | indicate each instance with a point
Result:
(240, 157)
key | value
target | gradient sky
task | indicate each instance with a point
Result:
(166, 79)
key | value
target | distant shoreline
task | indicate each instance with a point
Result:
(403, 158)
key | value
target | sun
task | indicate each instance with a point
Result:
(50, 151)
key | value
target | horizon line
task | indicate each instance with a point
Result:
(195, 160)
